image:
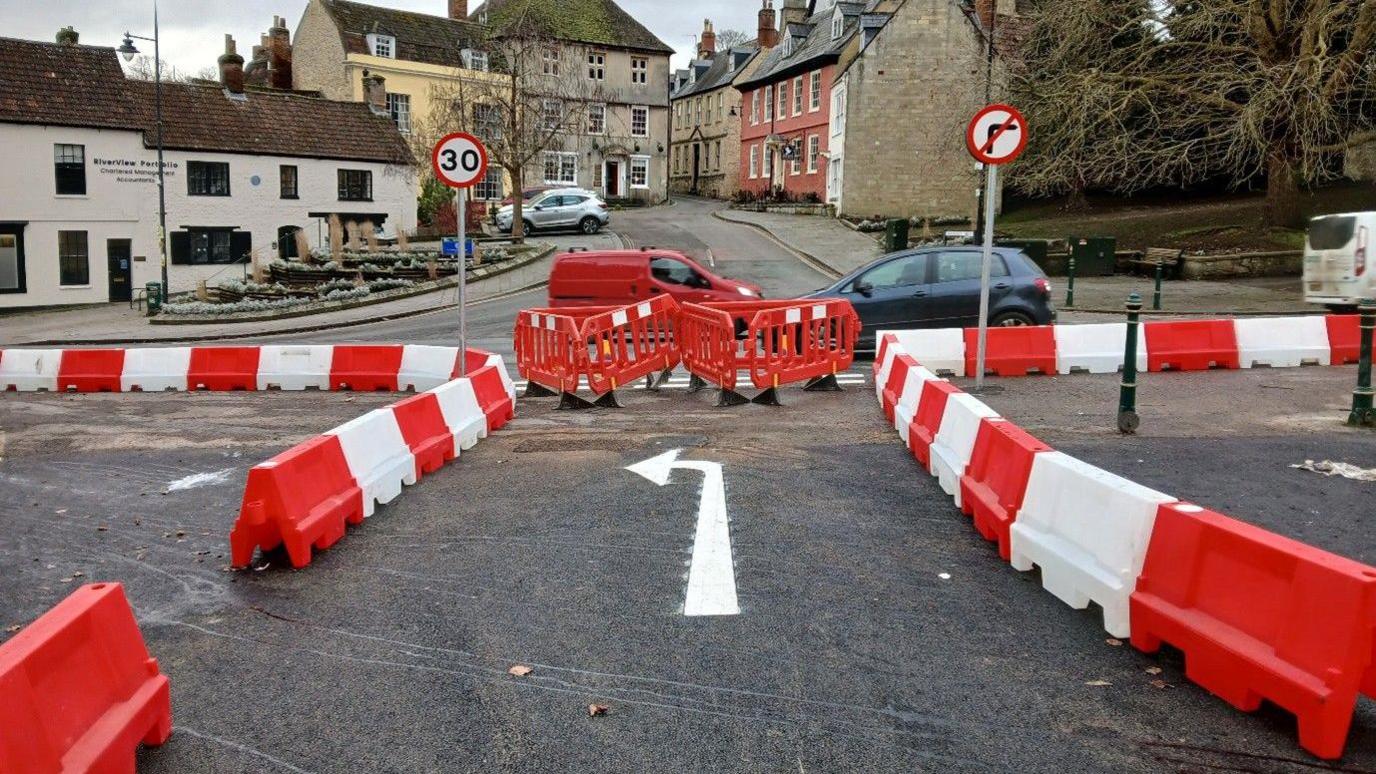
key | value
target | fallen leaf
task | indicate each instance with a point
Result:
(1153, 670)
(597, 709)
(520, 670)
(103, 528)
(78, 574)
(944, 576)
(1098, 683)
(60, 511)
(1159, 683)
(14, 628)
(1117, 643)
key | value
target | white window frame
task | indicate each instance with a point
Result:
(474, 60)
(384, 46)
(643, 163)
(768, 104)
(754, 162)
(814, 151)
(782, 93)
(815, 84)
(767, 167)
(550, 61)
(721, 106)
(597, 65)
(599, 111)
(798, 96)
(546, 124)
(640, 110)
(484, 190)
(399, 108)
(564, 162)
(795, 167)
(838, 24)
(755, 107)
(697, 109)
(640, 69)
(838, 111)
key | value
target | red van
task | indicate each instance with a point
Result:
(623, 277)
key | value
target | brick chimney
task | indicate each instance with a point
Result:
(279, 54)
(985, 10)
(68, 36)
(375, 93)
(458, 9)
(794, 12)
(769, 29)
(231, 68)
(707, 45)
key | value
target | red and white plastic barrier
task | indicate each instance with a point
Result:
(390, 367)
(305, 496)
(1258, 616)
(1177, 345)
(80, 690)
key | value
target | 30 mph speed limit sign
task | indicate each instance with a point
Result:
(460, 160)
(997, 135)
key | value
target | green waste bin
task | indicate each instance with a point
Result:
(153, 293)
(1036, 249)
(1094, 256)
(895, 235)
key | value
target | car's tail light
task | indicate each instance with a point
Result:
(1044, 285)
(1359, 258)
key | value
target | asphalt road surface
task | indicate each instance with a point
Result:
(876, 631)
(734, 250)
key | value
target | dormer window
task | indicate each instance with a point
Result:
(838, 24)
(474, 60)
(384, 46)
(788, 46)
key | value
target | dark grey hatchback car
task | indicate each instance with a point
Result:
(938, 287)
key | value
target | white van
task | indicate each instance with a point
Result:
(1336, 273)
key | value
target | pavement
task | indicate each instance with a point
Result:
(877, 632)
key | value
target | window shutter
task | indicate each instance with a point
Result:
(240, 245)
(181, 247)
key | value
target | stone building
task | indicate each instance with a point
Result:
(908, 80)
(705, 130)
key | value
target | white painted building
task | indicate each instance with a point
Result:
(244, 170)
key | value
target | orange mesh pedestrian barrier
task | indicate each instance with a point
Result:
(783, 342)
(549, 349)
(629, 343)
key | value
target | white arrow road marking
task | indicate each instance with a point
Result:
(712, 574)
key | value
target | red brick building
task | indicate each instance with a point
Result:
(786, 103)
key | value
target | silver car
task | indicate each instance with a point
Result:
(560, 209)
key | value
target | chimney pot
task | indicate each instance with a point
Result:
(279, 54)
(707, 46)
(231, 68)
(68, 36)
(768, 28)
(458, 9)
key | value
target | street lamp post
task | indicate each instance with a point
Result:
(128, 51)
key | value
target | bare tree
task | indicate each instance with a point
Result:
(729, 39)
(536, 98)
(1192, 90)
(141, 69)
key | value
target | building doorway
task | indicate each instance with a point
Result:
(697, 166)
(286, 243)
(611, 179)
(119, 257)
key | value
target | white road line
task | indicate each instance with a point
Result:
(712, 572)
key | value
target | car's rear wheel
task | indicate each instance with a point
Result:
(1012, 320)
(590, 225)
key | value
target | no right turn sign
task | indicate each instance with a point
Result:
(997, 134)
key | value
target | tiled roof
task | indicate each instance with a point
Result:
(600, 22)
(720, 73)
(813, 51)
(421, 37)
(47, 83)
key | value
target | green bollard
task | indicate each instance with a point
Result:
(1128, 420)
(1156, 297)
(1363, 413)
(1070, 282)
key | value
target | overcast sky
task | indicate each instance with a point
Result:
(193, 30)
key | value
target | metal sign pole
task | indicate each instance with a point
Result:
(990, 187)
(459, 199)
